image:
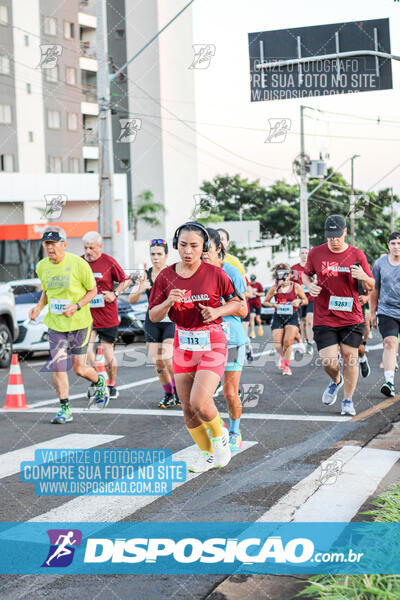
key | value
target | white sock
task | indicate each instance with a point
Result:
(389, 376)
(362, 359)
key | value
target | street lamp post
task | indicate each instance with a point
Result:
(352, 199)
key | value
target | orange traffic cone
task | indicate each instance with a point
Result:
(101, 363)
(15, 397)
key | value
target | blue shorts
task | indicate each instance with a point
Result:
(236, 356)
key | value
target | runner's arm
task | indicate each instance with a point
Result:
(271, 294)
(158, 312)
(140, 286)
(373, 301)
(301, 295)
(232, 307)
(36, 310)
(90, 294)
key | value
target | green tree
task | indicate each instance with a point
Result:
(241, 254)
(146, 210)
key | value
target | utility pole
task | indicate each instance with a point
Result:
(391, 212)
(106, 162)
(304, 230)
(352, 200)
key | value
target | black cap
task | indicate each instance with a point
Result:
(252, 277)
(52, 236)
(394, 236)
(334, 226)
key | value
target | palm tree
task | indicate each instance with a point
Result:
(145, 209)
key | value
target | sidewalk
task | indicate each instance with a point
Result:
(279, 587)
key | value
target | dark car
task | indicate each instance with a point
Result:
(132, 318)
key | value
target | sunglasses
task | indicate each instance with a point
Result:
(158, 242)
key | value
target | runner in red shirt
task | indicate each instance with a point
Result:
(104, 306)
(289, 296)
(306, 312)
(255, 306)
(338, 317)
(190, 292)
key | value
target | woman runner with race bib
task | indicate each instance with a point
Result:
(189, 292)
(285, 323)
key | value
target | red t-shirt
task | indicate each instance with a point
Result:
(334, 276)
(206, 286)
(257, 287)
(106, 271)
(288, 296)
(297, 271)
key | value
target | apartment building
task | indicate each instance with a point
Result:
(49, 116)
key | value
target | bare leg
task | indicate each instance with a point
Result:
(156, 353)
(350, 369)
(329, 359)
(110, 361)
(231, 393)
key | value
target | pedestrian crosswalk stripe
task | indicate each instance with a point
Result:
(116, 508)
(111, 410)
(356, 473)
(10, 462)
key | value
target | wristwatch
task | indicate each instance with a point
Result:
(78, 306)
(116, 294)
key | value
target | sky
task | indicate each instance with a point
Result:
(237, 128)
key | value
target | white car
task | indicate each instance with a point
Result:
(33, 335)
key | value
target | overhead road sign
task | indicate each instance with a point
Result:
(338, 58)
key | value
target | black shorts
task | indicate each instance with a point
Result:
(247, 318)
(281, 321)
(158, 332)
(388, 326)
(351, 335)
(107, 334)
(255, 310)
(307, 309)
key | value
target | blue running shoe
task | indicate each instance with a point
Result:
(348, 407)
(330, 394)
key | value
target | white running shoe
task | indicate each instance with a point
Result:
(204, 462)
(301, 347)
(222, 452)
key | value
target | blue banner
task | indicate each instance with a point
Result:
(191, 548)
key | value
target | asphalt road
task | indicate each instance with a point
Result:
(292, 433)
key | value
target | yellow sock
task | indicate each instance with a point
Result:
(214, 426)
(201, 437)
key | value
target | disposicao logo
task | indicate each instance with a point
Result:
(62, 542)
(191, 550)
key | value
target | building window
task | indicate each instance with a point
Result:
(74, 165)
(30, 136)
(5, 114)
(26, 40)
(55, 164)
(3, 14)
(28, 88)
(51, 75)
(72, 121)
(70, 75)
(50, 26)
(4, 65)
(6, 163)
(68, 30)
(53, 119)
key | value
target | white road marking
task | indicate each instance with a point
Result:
(125, 386)
(150, 412)
(311, 501)
(115, 508)
(10, 462)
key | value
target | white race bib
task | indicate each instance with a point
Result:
(194, 340)
(57, 305)
(98, 275)
(226, 329)
(285, 309)
(98, 301)
(343, 303)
